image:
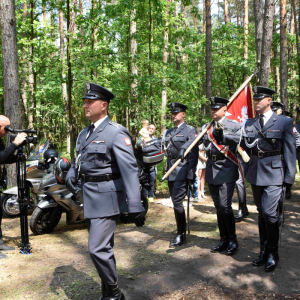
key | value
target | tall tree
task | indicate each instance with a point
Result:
(283, 54)
(208, 50)
(11, 89)
(164, 80)
(246, 29)
(63, 71)
(258, 13)
(266, 43)
(226, 12)
(237, 13)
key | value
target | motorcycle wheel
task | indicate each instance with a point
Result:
(44, 221)
(125, 218)
(10, 206)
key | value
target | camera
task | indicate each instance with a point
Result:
(30, 139)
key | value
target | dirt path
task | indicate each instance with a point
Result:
(60, 266)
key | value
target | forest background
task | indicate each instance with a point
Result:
(149, 53)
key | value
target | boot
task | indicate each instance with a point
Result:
(273, 257)
(243, 210)
(263, 255)
(233, 245)
(114, 293)
(223, 234)
(180, 237)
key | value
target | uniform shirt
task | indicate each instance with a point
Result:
(96, 124)
(267, 115)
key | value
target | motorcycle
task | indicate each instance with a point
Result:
(59, 199)
(36, 168)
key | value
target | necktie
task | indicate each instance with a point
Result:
(261, 121)
(91, 130)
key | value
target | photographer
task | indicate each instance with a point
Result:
(7, 157)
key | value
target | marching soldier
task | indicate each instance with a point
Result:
(107, 167)
(174, 139)
(269, 141)
(221, 172)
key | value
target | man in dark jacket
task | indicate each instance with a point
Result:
(7, 157)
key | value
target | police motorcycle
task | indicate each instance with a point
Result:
(39, 162)
(57, 200)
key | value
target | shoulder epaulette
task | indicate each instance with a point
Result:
(115, 124)
(189, 126)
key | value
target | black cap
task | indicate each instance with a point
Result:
(217, 102)
(177, 107)
(96, 92)
(261, 92)
(275, 105)
(287, 113)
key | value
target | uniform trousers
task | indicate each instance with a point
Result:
(266, 199)
(178, 190)
(222, 196)
(240, 186)
(101, 242)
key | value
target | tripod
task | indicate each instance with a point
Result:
(23, 197)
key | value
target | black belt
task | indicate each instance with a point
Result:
(262, 154)
(100, 178)
(216, 157)
(170, 156)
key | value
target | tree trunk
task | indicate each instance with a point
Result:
(297, 40)
(94, 37)
(208, 50)
(74, 17)
(70, 133)
(267, 43)
(63, 72)
(246, 27)
(276, 68)
(11, 89)
(226, 11)
(24, 75)
(134, 69)
(204, 17)
(237, 13)
(258, 13)
(177, 54)
(283, 54)
(150, 61)
(164, 80)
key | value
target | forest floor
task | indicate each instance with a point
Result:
(60, 267)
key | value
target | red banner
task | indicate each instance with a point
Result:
(240, 109)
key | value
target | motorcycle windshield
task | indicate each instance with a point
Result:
(37, 153)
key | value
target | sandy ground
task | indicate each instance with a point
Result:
(60, 267)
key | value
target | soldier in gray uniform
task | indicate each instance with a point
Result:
(174, 139)
(107, 167)
(269, 141)
(221, 174)
(278, 108)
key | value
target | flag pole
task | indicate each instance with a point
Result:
(200, 135)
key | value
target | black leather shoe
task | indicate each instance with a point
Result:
(221, 247)
(4, 247)
(241, 214)
(271, 262)
(233, 246)
(261, 259)
(179, 240)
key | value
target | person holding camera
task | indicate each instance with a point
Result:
(7, 157)
(107, 167)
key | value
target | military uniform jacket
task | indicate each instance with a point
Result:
(272, 170)
(224, 170)
(174, 140)
(108, 150)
